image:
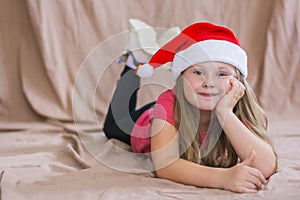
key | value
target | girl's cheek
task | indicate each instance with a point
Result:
(227, 85)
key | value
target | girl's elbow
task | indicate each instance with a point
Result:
(271, 168)
(161, 173)
(166, 172)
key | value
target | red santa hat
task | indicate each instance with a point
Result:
(199, 42)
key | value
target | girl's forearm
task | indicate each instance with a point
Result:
(244, 141)
(189, 173)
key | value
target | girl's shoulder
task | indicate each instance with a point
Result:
(164, 106)
(167, 95)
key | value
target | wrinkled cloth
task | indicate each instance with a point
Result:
(58, 71)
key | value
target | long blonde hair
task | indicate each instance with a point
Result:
(217, 150)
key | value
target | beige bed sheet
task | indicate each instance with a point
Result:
(49, 161)
(51, 139)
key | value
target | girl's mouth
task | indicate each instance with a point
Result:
(207, 94)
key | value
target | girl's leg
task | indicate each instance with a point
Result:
(122, 115)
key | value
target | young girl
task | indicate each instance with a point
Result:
(209, 130)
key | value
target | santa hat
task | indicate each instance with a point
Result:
(199, 42)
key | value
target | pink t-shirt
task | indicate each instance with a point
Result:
(141, 132)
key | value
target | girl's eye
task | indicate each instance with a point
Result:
(222, 74)
(199, 72)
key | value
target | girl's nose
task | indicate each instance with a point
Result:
(208, 81)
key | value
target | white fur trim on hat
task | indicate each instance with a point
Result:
(208, 51)
(144, 71)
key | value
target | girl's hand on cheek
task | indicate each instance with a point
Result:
(232, 96)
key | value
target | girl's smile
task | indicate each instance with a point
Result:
(209, 95)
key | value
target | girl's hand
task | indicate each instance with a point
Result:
(230, 99)
(243, 178)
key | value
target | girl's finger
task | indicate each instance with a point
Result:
(246, 190)
(255, 182)
(237, 88)
(256, 173)
(234, 88)
(250, 185)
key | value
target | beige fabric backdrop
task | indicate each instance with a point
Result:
(44, 43)
(50, 48)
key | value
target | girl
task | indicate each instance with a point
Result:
(209, 130)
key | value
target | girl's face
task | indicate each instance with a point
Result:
(206, 83)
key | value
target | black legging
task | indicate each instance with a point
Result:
(121, 114)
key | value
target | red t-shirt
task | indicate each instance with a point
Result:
(141, 132)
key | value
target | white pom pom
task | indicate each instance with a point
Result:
(145, 71)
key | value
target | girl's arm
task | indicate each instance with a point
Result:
(168, 165)
(244, 141)
(241, 138)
